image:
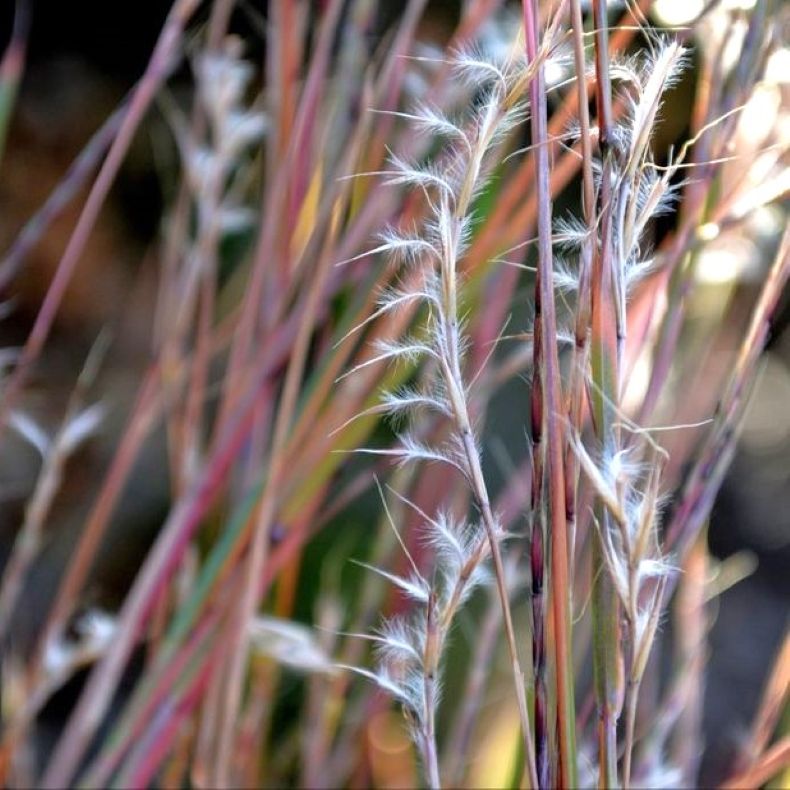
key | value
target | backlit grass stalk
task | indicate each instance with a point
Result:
(222, 79)
(546, 407)
(439, 246)
(629, 194)
(232, 128)
(580, 360)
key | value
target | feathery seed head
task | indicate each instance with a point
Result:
(410, 651)
(404, 402)
(570, 233)
(223, 78)
(414, 585)
(400, 643)
(480, 69)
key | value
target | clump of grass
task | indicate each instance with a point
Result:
(623, 191)
(630, 554)
(434, 252)
(293, 360)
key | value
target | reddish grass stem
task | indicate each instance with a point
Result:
(552, 409)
